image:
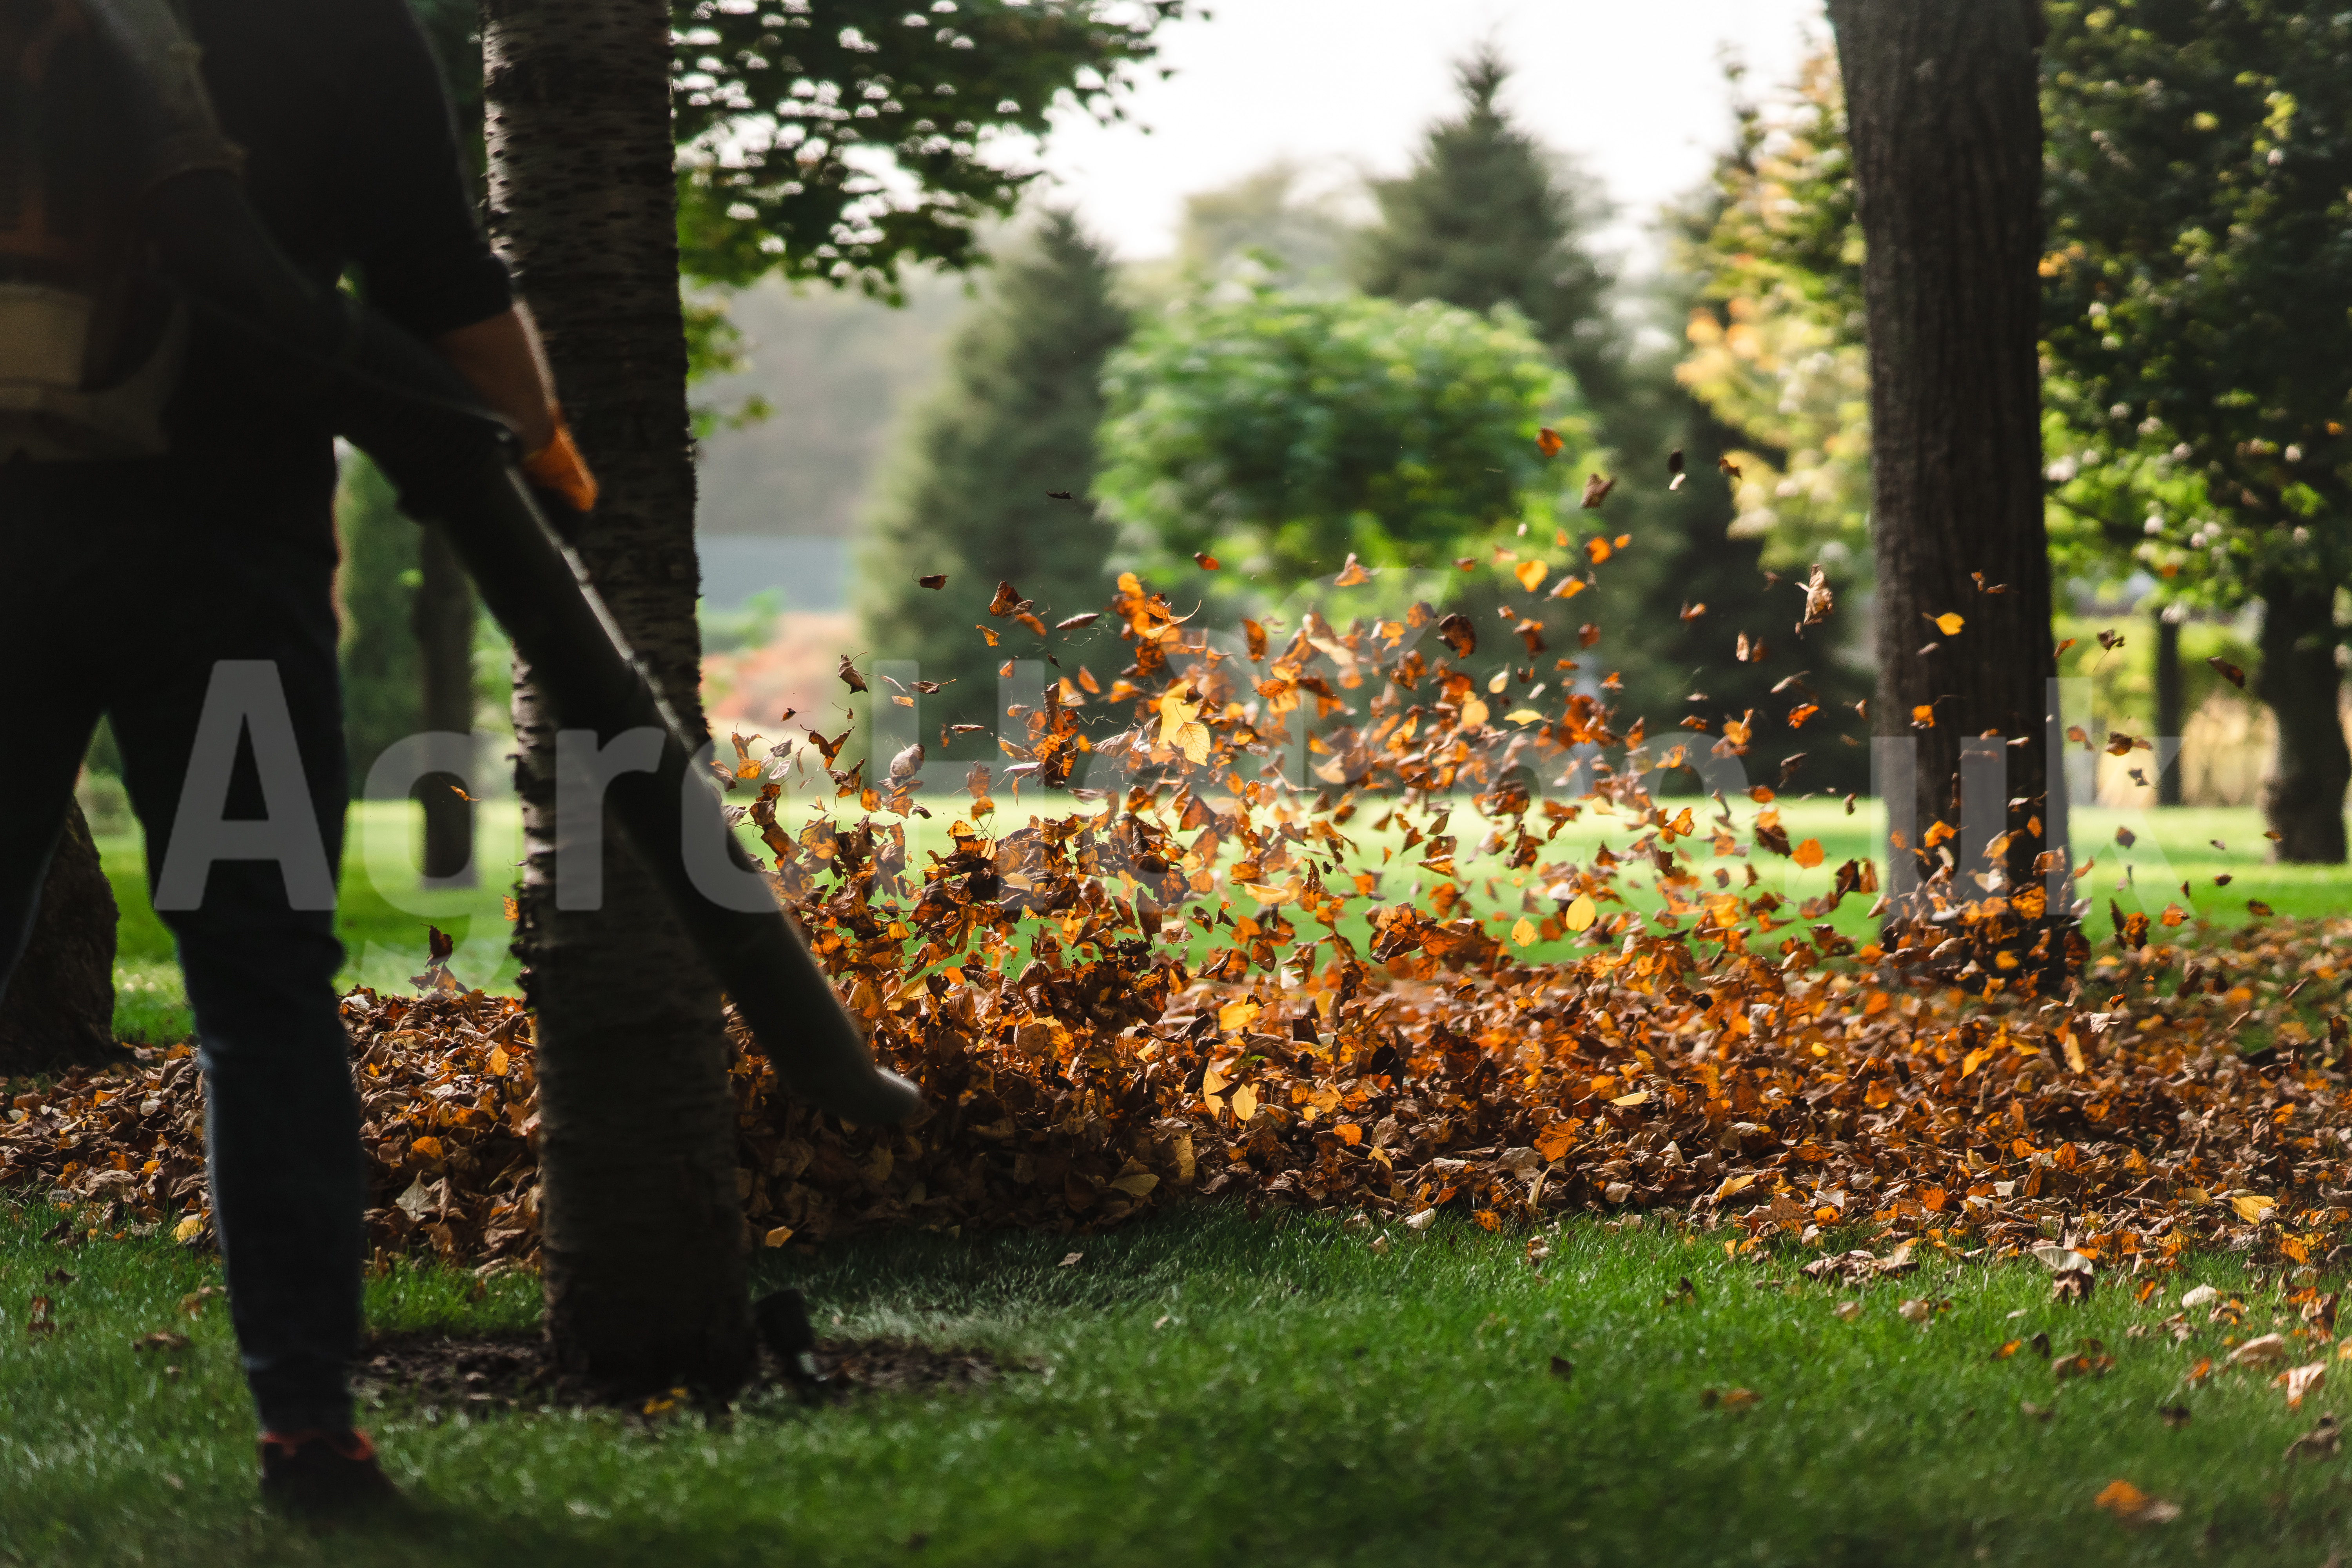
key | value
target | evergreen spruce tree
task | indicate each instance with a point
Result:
(1486, 217)
(1483, 219)
(1013, 421)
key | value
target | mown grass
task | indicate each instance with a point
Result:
(1212, 1390)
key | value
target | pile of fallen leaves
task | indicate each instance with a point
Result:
(1626, 1080)
(1130, 1004)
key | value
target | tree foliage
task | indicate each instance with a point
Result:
(1776, 340)
(1282, 434)
(1013, 421)
(835, 139)
(2200, 254)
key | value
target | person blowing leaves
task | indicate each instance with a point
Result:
(167, 557)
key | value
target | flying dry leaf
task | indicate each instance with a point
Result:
(1596, 489)
(1547, 442)
(933, 580)
(849, 676)
(2227, 671)
(1674, 469)
(1530, 575)
(1459, 635)
(1075, 622)
(1352, 574)
(1208, 562)
(1948, 624)
(1007, 600)
(1597, 550)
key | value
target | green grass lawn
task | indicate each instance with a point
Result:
(1214, 1391)
(383, 916)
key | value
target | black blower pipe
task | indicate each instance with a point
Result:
(453, 464)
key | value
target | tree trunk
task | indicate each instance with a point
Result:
(2305, 799)
(2170, 703)
(59, 1011)
(643, 1259)
(443, 619)
(1947, 168)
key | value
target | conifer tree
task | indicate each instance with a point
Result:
(1012, 423)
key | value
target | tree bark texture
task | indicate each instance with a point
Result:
(2172, 703)
(2303, 800)
(1947, 135)
(442, 617)
(59, 1010)
(643, 1259)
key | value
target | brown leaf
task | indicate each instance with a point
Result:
(849, 676)
(2227, 671)
(933, 580)
(1596, 489)
(1459, 635)
(1007, 600)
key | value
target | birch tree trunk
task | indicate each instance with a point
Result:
(1947, 135)
(643, 1236)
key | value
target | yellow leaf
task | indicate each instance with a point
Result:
(498, 1060)
(1735, 1184)
(1138, 1184)
(1236, 1015)
(2253, 1210)
(1523, 716)
(1948, 624)
(1581, 913)
(1808, 854)
(1473, 713)
(1639, 1096)
(187, 1229)
(1524, 933)
(1269, 895)
(1193, 739)
(1569, 587)
(1530, 575)
(778, 1236)
(1244, 1102)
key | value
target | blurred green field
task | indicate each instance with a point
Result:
(384, 916)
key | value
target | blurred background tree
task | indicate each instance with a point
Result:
(1282, 434)
(969, 494)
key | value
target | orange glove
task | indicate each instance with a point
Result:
(559, 466)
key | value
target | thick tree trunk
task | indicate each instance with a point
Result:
(443, 619)
(1948, 169)
(59, 1010)
(642, 1233)
(2305, 799)
(2171, 703)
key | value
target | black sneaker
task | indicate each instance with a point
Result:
(324, 1474)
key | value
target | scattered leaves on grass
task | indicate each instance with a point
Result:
(2134, 1506)
(2324, 1441)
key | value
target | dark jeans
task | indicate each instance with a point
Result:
(120, 585)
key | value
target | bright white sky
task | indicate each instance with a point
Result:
(1635, 88)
